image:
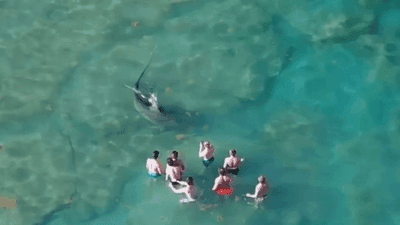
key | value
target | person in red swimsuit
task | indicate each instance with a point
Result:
(222, 185)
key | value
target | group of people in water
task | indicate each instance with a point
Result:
(222, 185)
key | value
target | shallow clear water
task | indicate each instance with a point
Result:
(322, 125)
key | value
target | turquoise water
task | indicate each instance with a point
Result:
(322, 125)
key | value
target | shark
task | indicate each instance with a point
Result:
(146, 102)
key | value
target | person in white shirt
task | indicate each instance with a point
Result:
(231, 163)
(154, 166)
(222, 184)
(206, 152)
(260, 192)
(173, 172)
(187, 188)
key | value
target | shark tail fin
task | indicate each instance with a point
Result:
(141, 75)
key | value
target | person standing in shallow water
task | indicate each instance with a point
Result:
(154, 166)
(222, 184)
(177, 162)
(232, 163)
(187, 188)
(207, 152)
(173, 172)
(260, 193)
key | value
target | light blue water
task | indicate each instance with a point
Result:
(323, 126)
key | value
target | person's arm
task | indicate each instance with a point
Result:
(177, 191)
(160, 168)
(182, 182)
(147, 164)
(230, 180)
(225, 163)
(216, 183)
(200, 149)
(167, 174)
(202, 153)
(255, 193)
(182, 166)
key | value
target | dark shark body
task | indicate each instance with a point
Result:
(162, 116)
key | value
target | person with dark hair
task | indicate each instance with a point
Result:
(173, 172)
(186, 187)
(154, 166)
(207, 152)
(155, 154)
(231, 163)
(222, 183)
(177, 162)
(261, 191)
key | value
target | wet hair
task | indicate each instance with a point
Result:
(261, 179)
(222, 171)
(233, 152)
(190, 180)
(170, 162)
(175, 154)
(155, 154)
